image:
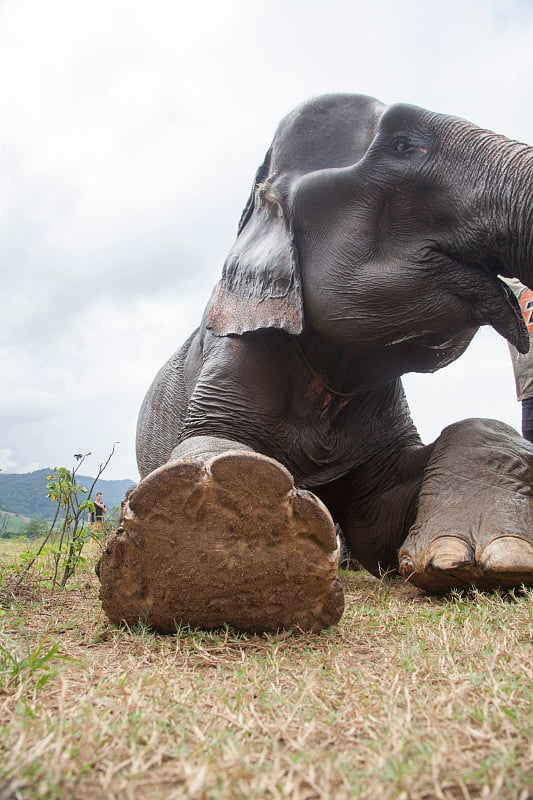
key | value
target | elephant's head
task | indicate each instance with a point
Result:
(382, 227)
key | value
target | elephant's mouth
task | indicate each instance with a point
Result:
(504, 314)
(429, 351)
(492, 301)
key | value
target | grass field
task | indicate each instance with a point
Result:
(408, 697)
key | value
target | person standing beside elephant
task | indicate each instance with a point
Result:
(96, 518)
(523, 362)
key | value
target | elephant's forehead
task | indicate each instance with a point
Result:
(330, 131)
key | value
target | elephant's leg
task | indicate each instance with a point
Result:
(474, 524)
(375, 504)
(220, 535)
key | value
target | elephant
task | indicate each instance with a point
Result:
(373, 244)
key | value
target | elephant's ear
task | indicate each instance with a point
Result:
(260, 286)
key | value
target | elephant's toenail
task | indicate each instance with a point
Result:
(508, 554)
(449, 553)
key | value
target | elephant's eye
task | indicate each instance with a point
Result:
(402, 145)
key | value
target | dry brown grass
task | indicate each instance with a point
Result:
(408, 697)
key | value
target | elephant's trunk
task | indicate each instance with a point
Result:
(502, 200)
(511, 197)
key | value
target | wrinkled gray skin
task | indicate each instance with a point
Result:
(370, 246)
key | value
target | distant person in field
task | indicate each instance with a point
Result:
(96, 517)
(523, 363)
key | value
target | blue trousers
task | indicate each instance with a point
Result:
(527, 419)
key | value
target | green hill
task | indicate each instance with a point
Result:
(12, 524)
(25, 493)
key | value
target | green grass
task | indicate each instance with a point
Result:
(408, 697)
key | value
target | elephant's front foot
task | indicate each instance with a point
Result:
(474, 525)
(457, 562)
(223, 541)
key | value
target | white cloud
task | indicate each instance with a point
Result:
(82, 392)
(8, 464)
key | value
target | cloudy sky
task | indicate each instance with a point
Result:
(130, 132)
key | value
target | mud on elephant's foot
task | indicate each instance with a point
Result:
(226, 541)
(473, 526)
